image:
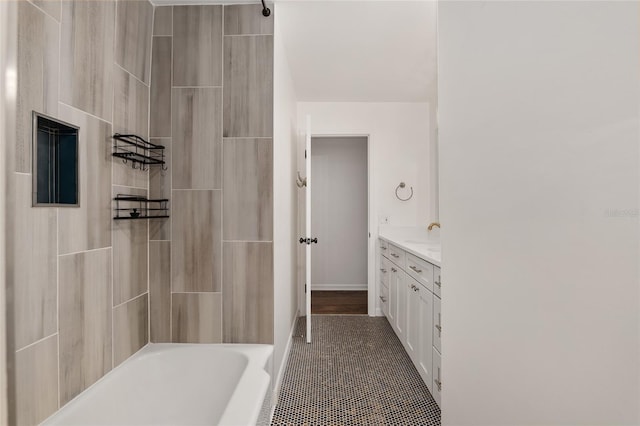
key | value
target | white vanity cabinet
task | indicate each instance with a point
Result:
(411, 287)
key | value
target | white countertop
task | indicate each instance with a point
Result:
(415, 240)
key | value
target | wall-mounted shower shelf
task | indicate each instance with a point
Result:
(129, 207)
(135, 149)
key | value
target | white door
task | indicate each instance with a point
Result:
(307, 161)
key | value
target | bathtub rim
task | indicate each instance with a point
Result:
(254, 381)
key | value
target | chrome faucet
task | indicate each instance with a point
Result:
(432, 224)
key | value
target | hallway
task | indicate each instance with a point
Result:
(355, 372)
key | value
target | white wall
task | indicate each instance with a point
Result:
(340, 213)
(400, 143)
(539, 160)
(284, 203)
(8, 83)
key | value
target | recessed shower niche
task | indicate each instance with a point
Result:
(55, 163)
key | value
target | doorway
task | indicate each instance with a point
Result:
(340, 221)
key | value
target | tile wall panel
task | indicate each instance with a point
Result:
(196, 241)
(134, 19)
(248, 86)
(197, 42)
(248, 292)
(85, 320)
(197, 317)
(130, 328)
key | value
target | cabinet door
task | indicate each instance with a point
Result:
(384, 300)
(437, 281)
(383, 270)
(392, 301)
(425, 337)
(401, 312)
(413, 317)
(437, 376)
(437, 324)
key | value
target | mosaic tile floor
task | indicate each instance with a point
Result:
(355, 372)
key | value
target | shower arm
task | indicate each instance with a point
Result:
(265, 10)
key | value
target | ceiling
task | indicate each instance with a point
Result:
(361, 51)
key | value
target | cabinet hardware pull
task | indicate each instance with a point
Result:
(384, 271)
(439, 327)
(438, 382)
(383, 299)
(394, 270)
(417, 289)
(416, 269)
(383, 248)
(395, 255)
(438, 283)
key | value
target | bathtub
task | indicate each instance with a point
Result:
(177, 384)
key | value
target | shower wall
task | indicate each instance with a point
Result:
(77, 285)
(211, 263)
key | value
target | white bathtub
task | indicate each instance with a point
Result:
(177, 384)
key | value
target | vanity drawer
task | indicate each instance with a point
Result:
(397, 256)
(384, 247)
(383, 272)
(437, 281)
(421, 270)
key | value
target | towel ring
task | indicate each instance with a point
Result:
(402, 185)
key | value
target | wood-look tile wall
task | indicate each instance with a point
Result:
(215, 64)
(79, 280)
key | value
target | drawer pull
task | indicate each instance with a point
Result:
(439, 327)
(395, 255)
(416, 269)
(394, 270)
(384, 271)
(416, 289)
(438, 283)
(438, 382)
(383, 299)
(382, 248)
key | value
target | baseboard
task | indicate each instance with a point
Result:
(339, 287)
(283, 364)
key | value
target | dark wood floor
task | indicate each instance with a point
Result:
(339, 302)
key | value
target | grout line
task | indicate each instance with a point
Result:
(196, 87)
(58, 20)
(248, 35)
(247, 137)
(130, 187)
(221, 274)
(196, 189)
(170, 339)
(36, 342)
(153, 22)
(85, 251)
(130, 300)
(85, 112)
(247, 241)
(132, 75)
(58, 293)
